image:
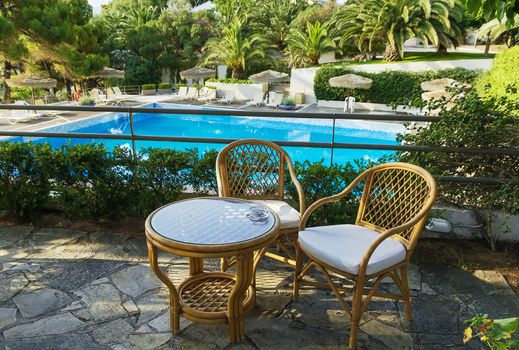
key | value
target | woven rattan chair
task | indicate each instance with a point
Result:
(255, 170)
(392, 212)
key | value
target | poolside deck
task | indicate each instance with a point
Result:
(92, 289)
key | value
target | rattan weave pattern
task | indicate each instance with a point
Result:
(253, 170)
(210, 294)
(395, 196)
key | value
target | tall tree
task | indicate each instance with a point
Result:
(500, 9)
(51, 28)
(306, 47)
(236, 48)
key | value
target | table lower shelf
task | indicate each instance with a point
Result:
(204, 297)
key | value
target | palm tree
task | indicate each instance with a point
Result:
(236, 48)
(306, 47)
(370, 21)
(496, 28)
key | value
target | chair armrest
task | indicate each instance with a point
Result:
(299, 189)
(333, 198)
(387, 234)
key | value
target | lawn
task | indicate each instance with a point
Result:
(424, 57)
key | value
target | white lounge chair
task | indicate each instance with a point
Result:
(274, 99)
(349, 104)
(116, 93)
(21, 116)
(210, 95)
(257, 100)
(192, 93)
(227, 98)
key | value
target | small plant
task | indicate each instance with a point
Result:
(496, 334)
(288, 101)
(165, 86)
(229, 81)
(86, 100)
(63, 95)
(148, 86)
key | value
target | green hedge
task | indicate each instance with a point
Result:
(390, 87)
(230, 81)
(165, 86)
(149, 86)
(501, 82)
(89, 181)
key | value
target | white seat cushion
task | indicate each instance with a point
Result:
(288, 216)
(343, 246)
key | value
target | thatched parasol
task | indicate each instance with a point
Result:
(32, 81)
(197, 73)
(108, 73)
(267, 77)
(351, 81)
(438, 84)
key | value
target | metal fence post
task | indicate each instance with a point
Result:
(333, 142)
(132, 130)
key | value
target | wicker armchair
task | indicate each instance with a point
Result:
(392, 212)
(255, 170)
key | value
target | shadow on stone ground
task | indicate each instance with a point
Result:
(62, 289)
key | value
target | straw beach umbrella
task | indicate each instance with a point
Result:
(351, 81)
(32, 81)
(197, 73)
(267, 77)
(108, 73)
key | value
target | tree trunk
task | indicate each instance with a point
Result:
(510, 40)
(237, 73)
(441, 51)
(7, 75)
(392, 54)
(487, 44)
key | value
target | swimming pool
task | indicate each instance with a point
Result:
(199, 125)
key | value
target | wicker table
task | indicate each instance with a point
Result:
(207, 228)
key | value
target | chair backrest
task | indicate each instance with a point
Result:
(229, 95)
(258, 97)
(117, 91)
(182, 91)
(95, 93)
(203, 91)
(211, 93)
(252, 169)
(192, 92)
(395, 194)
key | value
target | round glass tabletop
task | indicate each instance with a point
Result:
(217, 221)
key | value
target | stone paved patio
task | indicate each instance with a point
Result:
(62, 289)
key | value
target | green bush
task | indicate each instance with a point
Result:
(230, 81)
(87, 100)
(501, 82)
(165, 86)
(25, 93)
(288, 101)
(390, 87)
(63, 95)
(25, 173)
(148, 86)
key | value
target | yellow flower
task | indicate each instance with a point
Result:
(467, 335)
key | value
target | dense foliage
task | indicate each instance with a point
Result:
(501, 83)
(91, 182)
(390, 87)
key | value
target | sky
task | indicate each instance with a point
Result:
(96, 4)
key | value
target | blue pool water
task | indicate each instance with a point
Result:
(196, 125)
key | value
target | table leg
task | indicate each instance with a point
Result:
(244, 276)
(196, 266)
(174, 303)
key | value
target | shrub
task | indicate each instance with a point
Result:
(25, 172)
(165, 86)
(501, 82)
(87, 100)
(148, 86)
(288, 101)
(25, 93)
(472, 123)
(230, 81)
(63, 95)
(390, 87)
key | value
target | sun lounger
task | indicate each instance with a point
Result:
(181, 94)
(228, 98)
(274, 99)
(257, 100)
(192, 93)
(207, 95)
